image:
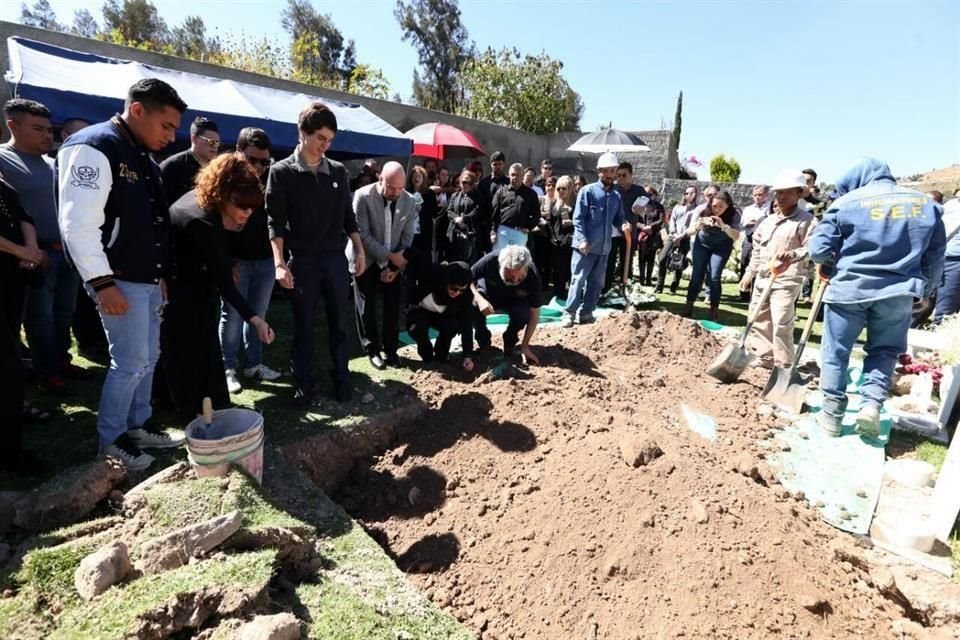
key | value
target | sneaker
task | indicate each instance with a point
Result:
(868, 421)
(129, 454)
(233, 383)
(830, 425)
(587, 319)
(566, 321)
(376, 361)
(261, 372)
(393, 360)
(150, 437)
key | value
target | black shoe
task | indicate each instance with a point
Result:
(509, 344)
(393, 360)
(658, 290)
(342, 392)
(302, 398)
(376, 361)
(673, 289)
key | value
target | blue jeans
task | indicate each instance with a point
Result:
(507, 236)
(708, 259)
(948, 295)
(255, 285)
(887, 322)
(49, 314)
(586, 282)
(134, 339)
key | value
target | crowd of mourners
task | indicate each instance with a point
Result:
(165, 272)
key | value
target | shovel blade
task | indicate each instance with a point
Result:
(731, 362)
(786, 389)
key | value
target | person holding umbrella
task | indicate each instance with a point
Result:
(598, 209)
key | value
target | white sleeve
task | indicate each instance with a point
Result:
(84, 181)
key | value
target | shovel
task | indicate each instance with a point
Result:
(207, 411)
(733, 360)
(786, 388)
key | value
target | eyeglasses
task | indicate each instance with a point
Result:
(211, 142)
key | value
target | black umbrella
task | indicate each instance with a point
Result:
(608, 140)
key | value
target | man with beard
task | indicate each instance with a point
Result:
(598, 209)
(507, 282)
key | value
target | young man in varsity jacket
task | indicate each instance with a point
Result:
(116, 228)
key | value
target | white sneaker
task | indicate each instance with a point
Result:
(261, 371)
(566, 321)
(129, 454)
(233, 383)
(154, 439)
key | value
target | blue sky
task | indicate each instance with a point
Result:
(774, 84)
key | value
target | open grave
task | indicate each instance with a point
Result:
(573, 500)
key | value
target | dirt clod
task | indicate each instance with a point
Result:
(638, 450)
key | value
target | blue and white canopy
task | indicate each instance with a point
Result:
(73, 84)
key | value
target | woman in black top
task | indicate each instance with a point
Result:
(441, 299)
(562, 236)
(227, 192)
(464, 219)
(19, 258)
(418, 186)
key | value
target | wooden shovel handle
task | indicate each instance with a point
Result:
(811, 320)
(207, 411)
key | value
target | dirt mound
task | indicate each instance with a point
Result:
(516, 503)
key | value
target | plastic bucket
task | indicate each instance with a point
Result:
(234, 437)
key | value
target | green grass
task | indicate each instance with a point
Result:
(113, 615)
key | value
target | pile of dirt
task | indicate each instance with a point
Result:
(572, 500)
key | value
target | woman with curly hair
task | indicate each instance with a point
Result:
(227, 191)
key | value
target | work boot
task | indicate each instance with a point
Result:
(868, 421)
(831, 426)
(687, 310)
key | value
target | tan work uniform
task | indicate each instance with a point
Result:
(771, 337)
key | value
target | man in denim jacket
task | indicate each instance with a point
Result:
(597, 211)
(884, 246)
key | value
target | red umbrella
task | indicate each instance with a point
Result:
(440, 141)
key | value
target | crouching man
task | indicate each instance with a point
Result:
(883, 245)
(506, 281)
(444, 301)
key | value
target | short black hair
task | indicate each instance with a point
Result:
(810, 172)
(315, 117)
(253, 137)
(22, 106)
(498, 157)
(153, 94)
(936, 195)
(201, 125)
(546, 161)
(625, 165)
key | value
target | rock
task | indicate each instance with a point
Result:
(648, 519)
(177, 547)
(414, 496)
(282, 626)
(68, 497)
(814, 603)
(699, 512)
(133, 500)
(745, 465)
(8, 501)
(101, 570)
(639, 451)
(367, 398)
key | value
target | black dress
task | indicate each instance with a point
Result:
(189, 335)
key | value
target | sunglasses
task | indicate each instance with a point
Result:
(212, 143)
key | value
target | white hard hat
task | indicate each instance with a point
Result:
(608, 161)
(789, 179)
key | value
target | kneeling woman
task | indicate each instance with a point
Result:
(227, 191)
(441, 293)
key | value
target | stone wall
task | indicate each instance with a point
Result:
(649, 167)
(742, 194)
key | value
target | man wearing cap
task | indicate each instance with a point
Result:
(883, 247)
(781, 239)
(598, 209)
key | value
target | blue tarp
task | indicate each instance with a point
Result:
(73, 84)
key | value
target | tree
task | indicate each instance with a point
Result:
(438, 35)
(318, 54)
(677, 121)
(135, 23)
(370, 82)
(521, 91)
(189, 40)
(42, 16)
(84, 24)
(266, 57)
(724, 169)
